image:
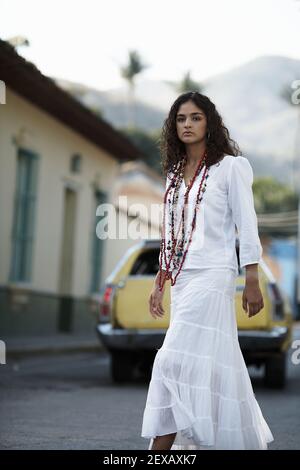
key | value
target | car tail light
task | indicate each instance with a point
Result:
(106, 303)
(277, 301)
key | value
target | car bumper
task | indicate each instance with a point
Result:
(260, 341)
(250, 340)
(118, 338)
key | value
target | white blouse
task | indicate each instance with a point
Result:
(227, 203)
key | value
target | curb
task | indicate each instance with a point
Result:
(52, 349)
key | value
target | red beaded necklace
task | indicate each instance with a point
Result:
(174, 247)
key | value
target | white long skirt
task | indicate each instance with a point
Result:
(200, 386)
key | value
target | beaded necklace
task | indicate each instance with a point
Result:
(177, 249)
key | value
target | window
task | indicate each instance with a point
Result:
(147, 263)
(76, 163)
(97, 245)
(24, 215)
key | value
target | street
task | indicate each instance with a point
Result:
(69, 402)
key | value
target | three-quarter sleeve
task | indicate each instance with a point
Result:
(241, 202)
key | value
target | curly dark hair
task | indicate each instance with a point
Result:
(219, 143)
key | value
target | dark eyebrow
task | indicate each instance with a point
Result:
(191, 114)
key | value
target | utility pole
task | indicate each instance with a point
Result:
(297, 188)
(295, 100)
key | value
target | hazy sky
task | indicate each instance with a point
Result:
(87, 41)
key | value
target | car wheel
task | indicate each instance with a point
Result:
(122, 365)
(275, 371)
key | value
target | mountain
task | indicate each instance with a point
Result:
(248, 97)
(114, 105)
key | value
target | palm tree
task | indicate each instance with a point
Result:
(188, 84)
(133, 68)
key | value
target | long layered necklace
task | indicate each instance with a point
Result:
(176, 250)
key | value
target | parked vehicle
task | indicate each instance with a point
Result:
(132, 336)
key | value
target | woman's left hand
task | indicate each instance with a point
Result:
(252, 298)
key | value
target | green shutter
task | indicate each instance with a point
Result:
(24, 216)
(97, 246)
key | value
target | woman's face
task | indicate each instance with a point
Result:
(191, 119)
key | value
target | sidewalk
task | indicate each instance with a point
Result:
(55, 344)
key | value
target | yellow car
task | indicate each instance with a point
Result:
(132, 336)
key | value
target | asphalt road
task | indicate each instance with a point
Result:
(70, 402)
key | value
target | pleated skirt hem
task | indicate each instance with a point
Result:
(200, 433)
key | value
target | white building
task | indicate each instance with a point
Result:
(59, 161)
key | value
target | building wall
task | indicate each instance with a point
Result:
(24, 125)
(44, 305)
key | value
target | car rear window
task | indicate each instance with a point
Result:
(146, 263)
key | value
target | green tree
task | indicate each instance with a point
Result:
(129, 72)
(148, 143)
(271, 196)
(188, 84)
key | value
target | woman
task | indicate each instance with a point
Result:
(200, 395)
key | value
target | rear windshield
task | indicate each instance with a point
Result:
(146, 263)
